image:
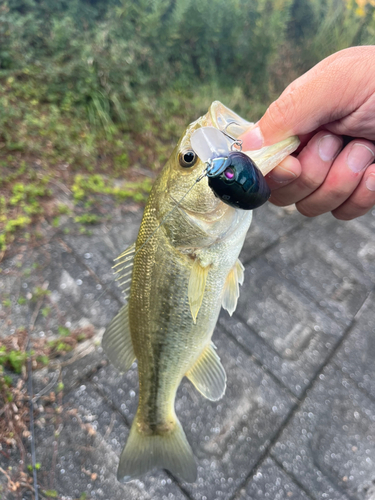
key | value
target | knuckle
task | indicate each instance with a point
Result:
(339, 194)
(340, 215)
(307, 210)
(309, 183)
(348, 212)
(358, 206)
(277, 201)
(354, 207)
(281, 110)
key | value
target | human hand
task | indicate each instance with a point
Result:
(332, 172)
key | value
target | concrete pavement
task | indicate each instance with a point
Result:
(298, 417)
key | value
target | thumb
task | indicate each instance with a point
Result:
(328, 92)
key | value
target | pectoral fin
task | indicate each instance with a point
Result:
(197, 284)
(117, 342)
(208, 375)
(231, 287)
(124, 269)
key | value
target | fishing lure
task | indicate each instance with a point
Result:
(232, 175)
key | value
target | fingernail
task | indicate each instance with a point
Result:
(360, 157)
(280, 174)
(370, 182)
(253, 139)
(328, 147)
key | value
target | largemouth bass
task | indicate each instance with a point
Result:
(182, 269)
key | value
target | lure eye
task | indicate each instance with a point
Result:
(241, 184)
(229, 174)
(187, 159)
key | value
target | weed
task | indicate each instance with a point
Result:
(45, 311)
(39, 293)
(56, 222)
(37, 467)
(60, 387)
(63, 331)
(63, 209)
(18, 223)
(87, 219)
(43, 359)
(14, 359)
(50, 493)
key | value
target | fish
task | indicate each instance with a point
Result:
(182, 269)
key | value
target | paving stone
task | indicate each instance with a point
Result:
(293, 311)
(354, 240)
(310, 259)
(72, 369)
(271, 482)
(367, 220)
(121, 389)
(287, 332)
(13, 283)
(106, 242)
(74, 289)
(228, 436)
(268, 225)
(79, 453)
(73, 293)
(329, 445)
(10, 462)
(357, 353)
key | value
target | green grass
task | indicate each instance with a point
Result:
(14, 359)
(63, 146)
(88, 111)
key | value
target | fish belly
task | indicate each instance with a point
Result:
(166, 341)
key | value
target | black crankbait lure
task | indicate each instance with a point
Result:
(232, 175)
(239, 183)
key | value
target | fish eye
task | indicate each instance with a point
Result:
(187, 158)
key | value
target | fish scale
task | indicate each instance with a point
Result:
(184, 269)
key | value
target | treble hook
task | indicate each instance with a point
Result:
(237, 143)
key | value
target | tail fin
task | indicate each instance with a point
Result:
(169, 450)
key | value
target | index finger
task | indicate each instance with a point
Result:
(331, 90)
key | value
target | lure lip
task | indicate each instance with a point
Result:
(209, 143)
(266, 159)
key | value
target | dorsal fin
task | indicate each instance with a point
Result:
(124, 269)
(231, 290)
(208, 374)
(117, 342)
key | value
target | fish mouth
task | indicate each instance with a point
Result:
(266, 158)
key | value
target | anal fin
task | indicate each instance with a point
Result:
(208, 374)
(231, 288)
(117, 342)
